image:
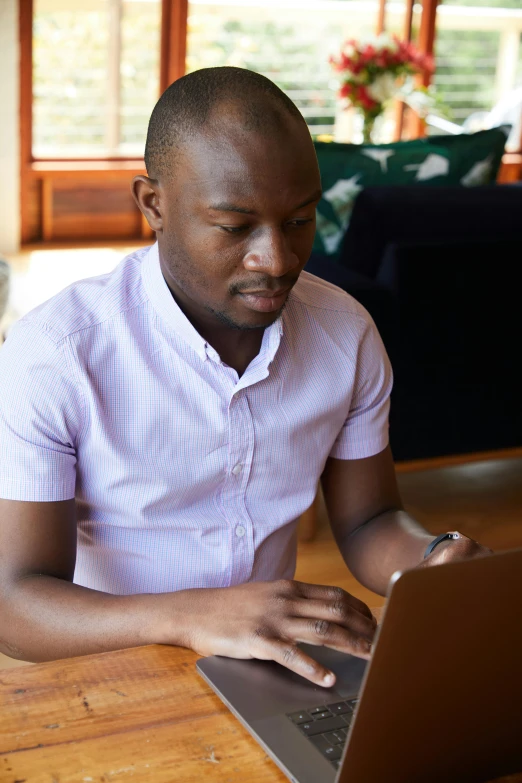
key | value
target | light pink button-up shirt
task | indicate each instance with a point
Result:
(184, 474)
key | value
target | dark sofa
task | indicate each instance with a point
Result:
(439, 269)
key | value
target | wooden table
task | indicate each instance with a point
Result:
(142, 714)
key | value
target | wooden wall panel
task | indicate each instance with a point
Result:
(83, 227)
(84, 201)
(94, 210)
(102, 198)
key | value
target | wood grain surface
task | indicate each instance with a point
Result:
(142, 714)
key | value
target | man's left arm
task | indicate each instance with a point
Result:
(374, 533)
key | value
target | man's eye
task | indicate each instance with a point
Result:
(233, 229)
(301, 221)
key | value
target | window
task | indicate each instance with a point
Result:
(288, 41)
(96, 76)
(478, 55)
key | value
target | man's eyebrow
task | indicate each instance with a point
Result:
(316, 196)
(225, 206)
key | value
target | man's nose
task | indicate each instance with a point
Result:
(271, 254)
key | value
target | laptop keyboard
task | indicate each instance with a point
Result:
(326, 726)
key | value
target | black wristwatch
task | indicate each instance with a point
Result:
(436, 541)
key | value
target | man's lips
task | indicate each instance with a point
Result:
(264, 301)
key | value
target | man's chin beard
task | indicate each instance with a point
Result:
(228, 322)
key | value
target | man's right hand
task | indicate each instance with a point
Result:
(266, 620)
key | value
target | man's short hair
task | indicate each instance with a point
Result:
(185, 106)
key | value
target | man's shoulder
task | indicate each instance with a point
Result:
(88, 303)
(325, 300)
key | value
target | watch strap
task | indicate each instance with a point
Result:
(436, 541)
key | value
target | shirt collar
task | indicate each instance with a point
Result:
(170, 312)
(165, 305)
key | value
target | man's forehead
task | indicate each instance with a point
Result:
(242, 194)
(226, 169)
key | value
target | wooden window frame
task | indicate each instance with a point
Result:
(173, 43)
(426, 44)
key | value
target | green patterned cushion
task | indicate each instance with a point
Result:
(469, 159)
(475, 157)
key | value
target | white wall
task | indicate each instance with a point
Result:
(9, 128)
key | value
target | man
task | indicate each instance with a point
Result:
(164, 426)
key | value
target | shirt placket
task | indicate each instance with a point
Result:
(240, 454)
(241, 449)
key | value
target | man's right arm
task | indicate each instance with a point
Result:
(44, 615)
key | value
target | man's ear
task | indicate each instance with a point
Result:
(146, 196)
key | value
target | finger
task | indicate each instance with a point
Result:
(331, 593)
(293, 658)
(337, 613)
(328, 634)
(336, 605)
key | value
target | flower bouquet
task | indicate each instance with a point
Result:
(375, 71)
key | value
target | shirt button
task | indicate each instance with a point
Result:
(237, 469)
(240, 531)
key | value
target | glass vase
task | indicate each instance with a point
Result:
(368, 126)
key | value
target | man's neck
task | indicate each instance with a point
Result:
(236, 347)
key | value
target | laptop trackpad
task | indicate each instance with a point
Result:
(257, 689)
(348, 670)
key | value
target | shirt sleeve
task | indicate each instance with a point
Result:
(366, 429)
(40, 416)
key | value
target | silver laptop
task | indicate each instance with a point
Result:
(440, 700)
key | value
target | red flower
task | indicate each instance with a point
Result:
(360, 64)
(346, 90)
(364, 99)
(367, 54)
(346, 62)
